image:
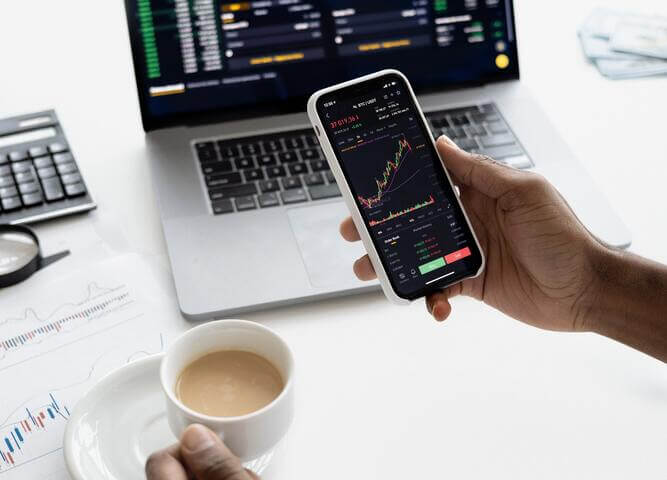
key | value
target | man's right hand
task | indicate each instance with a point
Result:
(201, 455)
(539, 257)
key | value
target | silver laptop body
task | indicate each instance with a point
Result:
(267, 257)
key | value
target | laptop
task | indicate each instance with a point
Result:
(249, 208)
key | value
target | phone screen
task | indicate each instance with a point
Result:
(400, 186)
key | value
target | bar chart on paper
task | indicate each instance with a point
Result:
(54, 348)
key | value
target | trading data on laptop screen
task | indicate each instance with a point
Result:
(204, 55)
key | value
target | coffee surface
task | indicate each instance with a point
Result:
(229, 383)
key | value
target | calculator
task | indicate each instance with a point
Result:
(39, 177)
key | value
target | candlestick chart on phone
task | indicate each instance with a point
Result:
(394, 182)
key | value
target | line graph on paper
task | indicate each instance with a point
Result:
(97, 308)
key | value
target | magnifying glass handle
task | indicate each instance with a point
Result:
(46, 261)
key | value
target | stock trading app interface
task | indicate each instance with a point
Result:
(400, 188)
(196, 55)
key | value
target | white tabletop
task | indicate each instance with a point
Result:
(385, 392)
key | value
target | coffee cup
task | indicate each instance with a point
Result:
(250, 436)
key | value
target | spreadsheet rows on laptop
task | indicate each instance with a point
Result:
(289, 167)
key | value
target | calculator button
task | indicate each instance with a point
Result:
(21, 167)
(70, 178)
(6, 192)
(30, 187)
(3, 159)
(75, 189)
(47, 172)
(60, 158)
(6, 181)
(57, 147)
(52, 189)
(42, 162)
(37, 152)
(5, 170)
(11, 203)
(66, 168)
(18, 155)
(25, 177)
(32, 199)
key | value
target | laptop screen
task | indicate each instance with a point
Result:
(194, 57)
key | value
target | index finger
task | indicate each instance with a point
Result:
(349, 230)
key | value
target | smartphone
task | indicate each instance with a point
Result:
(383, 156)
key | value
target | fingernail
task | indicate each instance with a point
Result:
(197, 437)
(447, 140)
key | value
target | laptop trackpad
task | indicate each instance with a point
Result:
(328, 258)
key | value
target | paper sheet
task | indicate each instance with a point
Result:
(58, 339)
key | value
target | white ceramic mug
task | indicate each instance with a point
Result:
(249, 436)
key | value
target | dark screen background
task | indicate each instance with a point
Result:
(208, 55)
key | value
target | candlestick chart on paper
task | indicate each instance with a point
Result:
(56, 345)
(96, 308)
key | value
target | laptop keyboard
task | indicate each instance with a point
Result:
(287, 168)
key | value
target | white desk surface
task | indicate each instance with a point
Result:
(385, 392)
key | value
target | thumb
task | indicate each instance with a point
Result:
(208, 458)
(476, 171)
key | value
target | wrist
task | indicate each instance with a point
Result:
(628, 300)
(600, 296)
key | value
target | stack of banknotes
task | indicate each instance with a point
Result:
(625, 45)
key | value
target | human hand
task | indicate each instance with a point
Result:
(201, 455)
(539, 257)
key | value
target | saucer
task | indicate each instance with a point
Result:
(119, 423)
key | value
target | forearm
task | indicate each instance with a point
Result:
(630, 303)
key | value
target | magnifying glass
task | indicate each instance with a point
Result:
(20, 254)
